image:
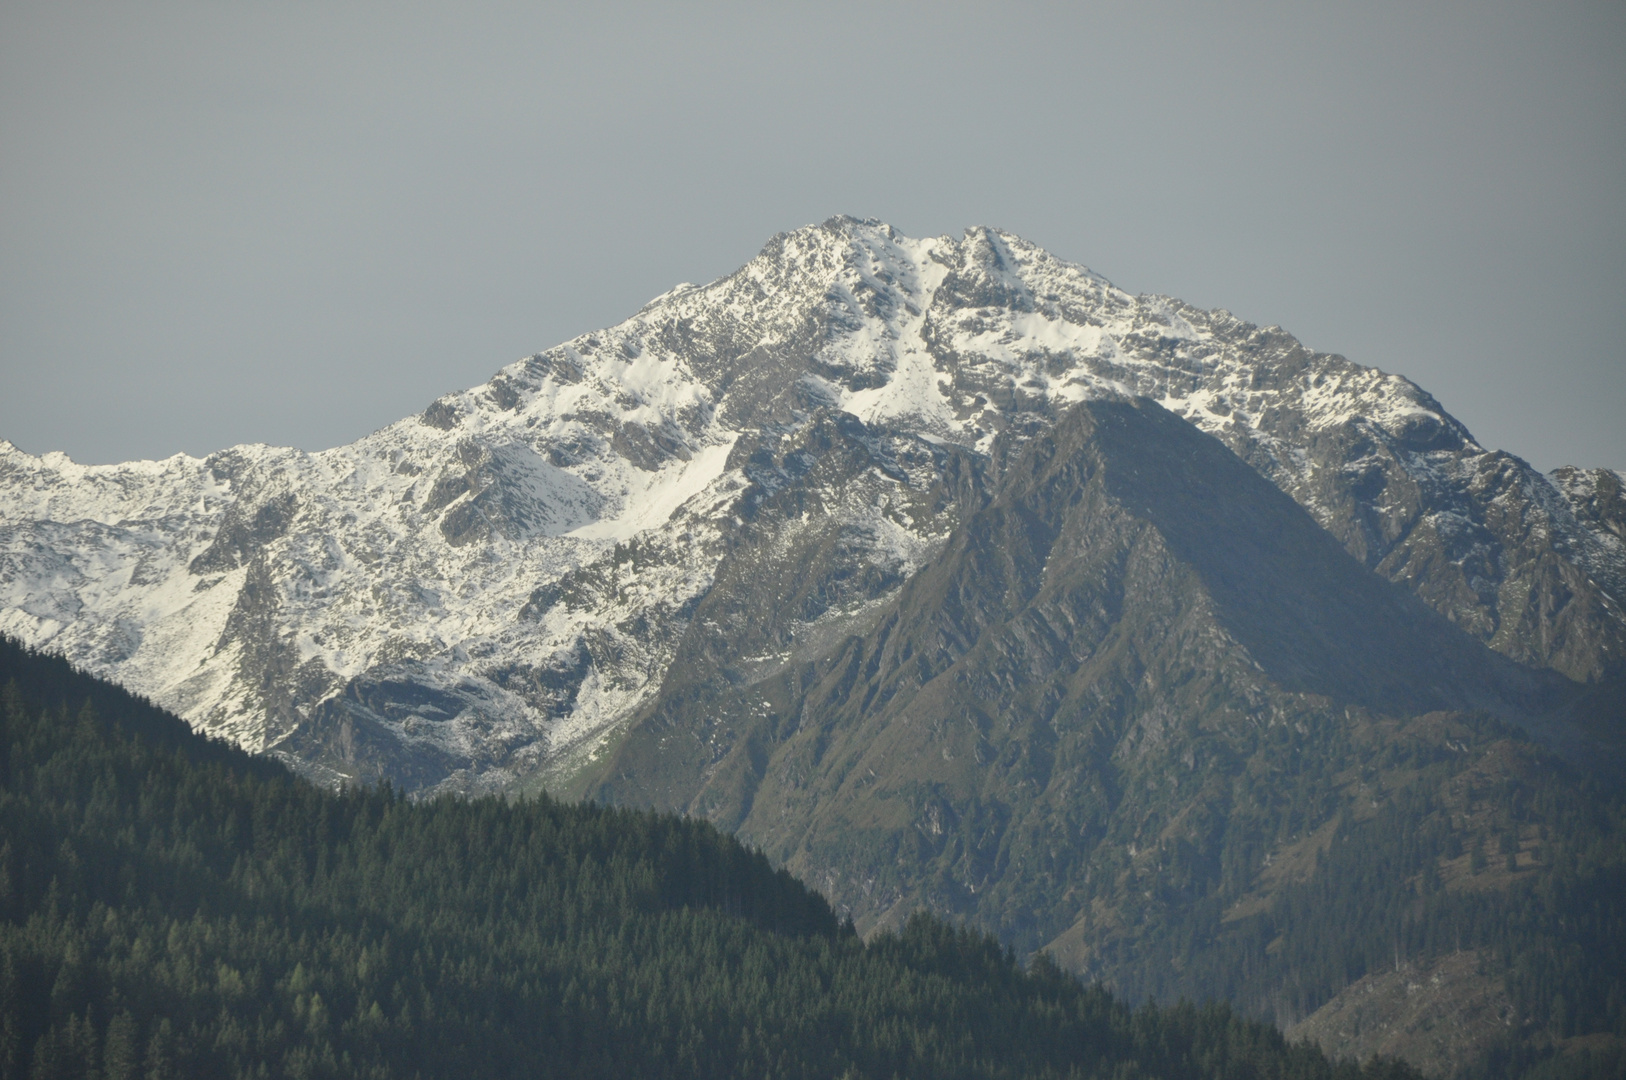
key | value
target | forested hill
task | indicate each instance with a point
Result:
(172, 907)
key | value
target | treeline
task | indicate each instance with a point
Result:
(170, 907)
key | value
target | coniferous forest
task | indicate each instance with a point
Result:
(173, 907)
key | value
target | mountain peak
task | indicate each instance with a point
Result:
(345, 582)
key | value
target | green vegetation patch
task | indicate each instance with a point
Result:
(171, 907)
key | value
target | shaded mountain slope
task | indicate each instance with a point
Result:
(1135, 677)
(1124, 584)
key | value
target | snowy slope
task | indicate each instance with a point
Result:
(488, 590)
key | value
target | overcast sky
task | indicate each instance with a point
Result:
(296, 222)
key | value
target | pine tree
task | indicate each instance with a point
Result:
(121, 1059)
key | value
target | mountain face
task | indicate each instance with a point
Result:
(1129, 643)
(950, 576)
(492, 590)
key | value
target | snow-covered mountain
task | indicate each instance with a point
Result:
(486, 593)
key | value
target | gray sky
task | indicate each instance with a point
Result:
(295, 222)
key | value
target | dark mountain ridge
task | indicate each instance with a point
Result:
(1134, 663)
(1074, 546)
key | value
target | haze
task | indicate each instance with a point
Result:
(296, 223)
